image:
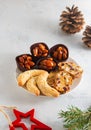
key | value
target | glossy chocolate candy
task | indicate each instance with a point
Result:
(25, 62)
(59, 52)
(39, 50)
(48, 64)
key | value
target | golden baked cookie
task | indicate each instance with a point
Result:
(25, 76)
(44, 87)
(71, 68)
(60, 80)
(35, 81)
(31, 86)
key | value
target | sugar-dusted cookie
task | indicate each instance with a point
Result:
(72, 68)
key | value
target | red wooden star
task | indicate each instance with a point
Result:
(36, 126)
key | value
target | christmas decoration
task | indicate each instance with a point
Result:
(71, 21)
(76, 119)
(37, 125)
(87, 36)
(6, 115)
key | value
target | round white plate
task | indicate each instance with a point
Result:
(75, 82)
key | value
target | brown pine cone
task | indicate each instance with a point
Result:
(71, 21)
(87, 36)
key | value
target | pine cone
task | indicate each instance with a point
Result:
(87, 36)
(72, 20)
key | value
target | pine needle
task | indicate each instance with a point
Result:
(76, 119)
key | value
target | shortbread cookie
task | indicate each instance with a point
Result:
(31, 86)
(44, 87)
(25, 76)
(60, 80)
(71, 68)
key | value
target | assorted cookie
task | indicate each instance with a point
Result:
(60, 80)
(35, 81)
(72, 68)
(46, 71)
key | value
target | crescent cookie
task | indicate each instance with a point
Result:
(44, 87)
(71, 68)
(60, 81)
(23, 77)
(31, 86)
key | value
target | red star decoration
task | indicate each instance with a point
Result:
(36, 126)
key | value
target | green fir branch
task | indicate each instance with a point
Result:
(76, 119)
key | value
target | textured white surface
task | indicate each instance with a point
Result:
(24, 22)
